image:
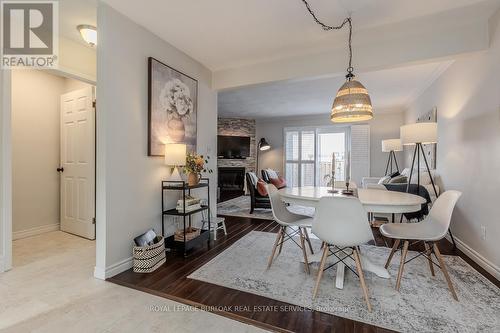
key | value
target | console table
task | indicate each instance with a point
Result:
(185, 245)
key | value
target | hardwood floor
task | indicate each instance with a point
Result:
(170, 281)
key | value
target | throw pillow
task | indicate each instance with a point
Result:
(398, 180)
(384, 180)
(254, 178)
(271, 173)
(279, 182)
(261, 187)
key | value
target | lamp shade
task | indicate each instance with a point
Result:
(263, 145)
(418, 133)
(352, 103)
(175, 154)
(391, 145)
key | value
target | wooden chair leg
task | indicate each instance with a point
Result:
(394, 249)
(428, 252)
(308, 240)
(282, 239)
(278, 237)
(224, 227)
(362, 278)
(402, 264)
(445, 272)
(320, 271)
(304, 252)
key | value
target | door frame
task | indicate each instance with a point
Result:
(6, 159)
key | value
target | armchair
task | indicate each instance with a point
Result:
(256, 200)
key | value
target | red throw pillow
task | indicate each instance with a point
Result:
(279, 182)
(261, 187)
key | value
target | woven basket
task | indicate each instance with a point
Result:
(191, 233)
(148, 258)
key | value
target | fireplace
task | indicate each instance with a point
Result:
(231, 183)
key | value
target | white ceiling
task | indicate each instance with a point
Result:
(228, 33)
(73, 13)
(389, 89)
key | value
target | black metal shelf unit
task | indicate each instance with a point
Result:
(185, 245)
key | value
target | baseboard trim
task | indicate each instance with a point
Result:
(35, 231)
(2, 264)
(117, 268)
(476, 257)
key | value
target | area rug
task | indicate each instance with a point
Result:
(424, 303)
(240, 207)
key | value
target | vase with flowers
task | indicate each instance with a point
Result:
(175, 99)
(195, 165)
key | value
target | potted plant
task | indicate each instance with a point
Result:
(195, 165)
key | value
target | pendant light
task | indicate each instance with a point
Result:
(352, 102)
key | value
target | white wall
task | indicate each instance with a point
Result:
(36, 149)
(382, 126)
(5, 171)
(467, 97)
(128, 181)
(75, 58)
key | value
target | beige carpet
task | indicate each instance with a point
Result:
(240, 207)
(424, 303)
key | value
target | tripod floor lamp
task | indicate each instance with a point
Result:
(419, 134)
(391, 146)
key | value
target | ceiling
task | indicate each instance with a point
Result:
(73, 13)
(389, 89)
(229, 33)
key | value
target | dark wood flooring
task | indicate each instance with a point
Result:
(170, 281)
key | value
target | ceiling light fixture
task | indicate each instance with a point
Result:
(352, 102)
(88, 33)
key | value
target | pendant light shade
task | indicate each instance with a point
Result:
(352, 103)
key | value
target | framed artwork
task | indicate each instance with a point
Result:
(172, 107)
(430, 150)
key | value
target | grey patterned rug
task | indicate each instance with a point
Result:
(423, 304)
(240, 207)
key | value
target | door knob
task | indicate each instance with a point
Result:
(61, 169)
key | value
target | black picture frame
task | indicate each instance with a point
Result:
(159, 132)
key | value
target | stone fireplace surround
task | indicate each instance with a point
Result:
(238, 127)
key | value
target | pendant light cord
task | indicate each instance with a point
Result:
(327, 27)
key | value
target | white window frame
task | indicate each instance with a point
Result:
(317, 130)
(299, 161)
(347, 144)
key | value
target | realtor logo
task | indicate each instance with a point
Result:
(29, 34)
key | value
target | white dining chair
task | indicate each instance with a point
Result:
(297, 224)
(429, 231)
(342, 224)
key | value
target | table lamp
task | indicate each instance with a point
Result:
(175, 156)
(390, 146)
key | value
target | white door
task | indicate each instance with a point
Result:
(77, 168)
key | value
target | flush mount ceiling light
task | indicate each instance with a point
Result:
(88, 33)
(352, 102)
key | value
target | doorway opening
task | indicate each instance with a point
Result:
(53, 162)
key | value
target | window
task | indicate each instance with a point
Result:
(308, 154)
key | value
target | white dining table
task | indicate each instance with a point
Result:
(373, 200)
